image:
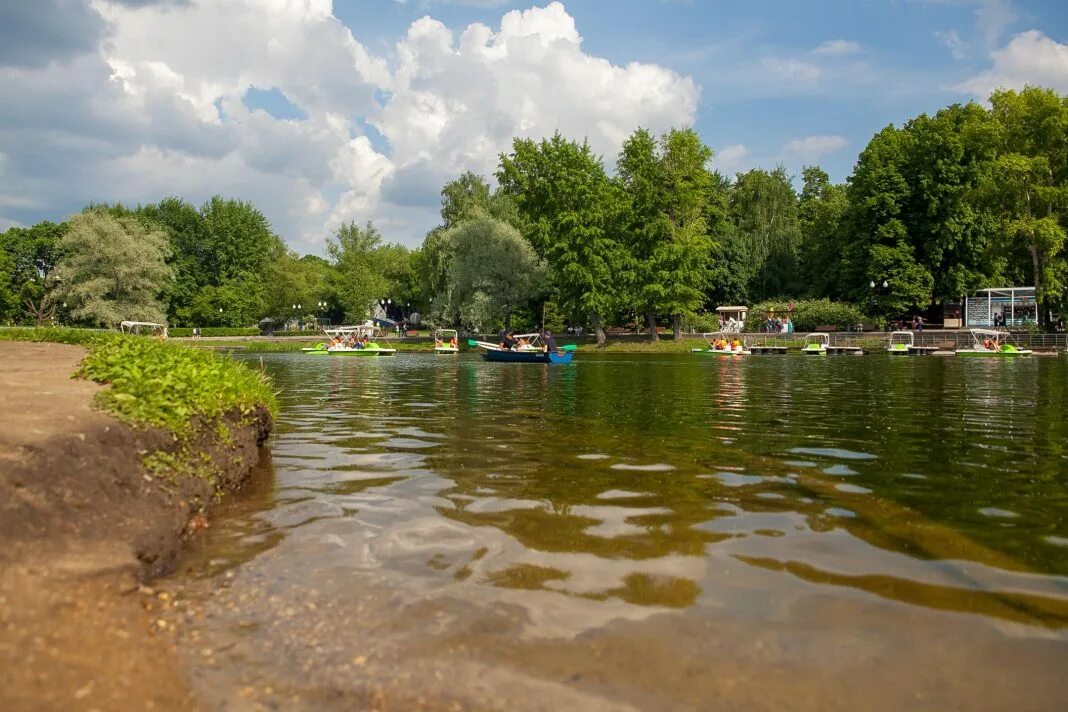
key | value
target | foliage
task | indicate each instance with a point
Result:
(357, 280)
(666, 190)
(764, 207)
(492, 270)
(807, 314)
(112, 269)
(27, 258)
(565, 205)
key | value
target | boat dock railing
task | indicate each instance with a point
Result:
(878, 341)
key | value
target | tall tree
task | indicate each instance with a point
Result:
(1028, 183)
(565, 205)
(358, 279)
(764, 206)
(668, 189)
(821, 211)
(113, 268)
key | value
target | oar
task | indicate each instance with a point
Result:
(472, 343)
(569, 347)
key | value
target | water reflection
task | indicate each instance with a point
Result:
(623, 488)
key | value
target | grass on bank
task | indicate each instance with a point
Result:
(160, 384)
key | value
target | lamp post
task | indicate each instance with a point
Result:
(878, 291)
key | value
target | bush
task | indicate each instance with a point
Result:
(703, 323)
(808, 314)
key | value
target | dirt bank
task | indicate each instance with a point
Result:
(82, 527)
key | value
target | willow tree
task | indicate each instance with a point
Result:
(764, 206)
(491, 271)
(112, 269)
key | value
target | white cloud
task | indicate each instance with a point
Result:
(791, 70)
(732, 159)
(993, 17)
(1029, 58)
(811, 148)
(952, 41)
(150, 113)
(837, 48)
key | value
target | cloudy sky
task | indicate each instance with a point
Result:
(323, 112)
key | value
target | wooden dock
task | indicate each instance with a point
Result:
(769, 350)
(845, 351)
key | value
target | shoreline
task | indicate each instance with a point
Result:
(85, 523)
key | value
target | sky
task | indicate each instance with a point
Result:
(322, 112)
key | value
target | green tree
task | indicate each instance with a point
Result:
(565, 207)
(113, 268)
(764, 206)
(821, 211)
(1028, 185)
(358, 279)
(667, 189)
(728, 276)
(33, 252)
(191, 257)
(492, 271)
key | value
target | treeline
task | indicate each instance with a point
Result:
(971, 197)
(217, 265)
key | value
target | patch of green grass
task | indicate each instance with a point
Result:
(663, 346)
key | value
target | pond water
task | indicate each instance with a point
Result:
(656, 532)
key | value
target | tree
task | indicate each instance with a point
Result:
(764, 207)
(821, 211)
(32, 253)
(358, 280)
(192, 256)
(492, 270)
(565, 207)
(9, 299)
(1028, 184)
(113, 268)
(667, 188)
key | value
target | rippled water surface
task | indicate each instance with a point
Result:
(648, 531)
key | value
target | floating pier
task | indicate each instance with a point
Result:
(845, 351)
(779, 350)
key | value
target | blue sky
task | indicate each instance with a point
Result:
(323, 112)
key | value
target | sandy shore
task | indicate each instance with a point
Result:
(82, 527)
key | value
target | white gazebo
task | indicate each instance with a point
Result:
(1015, 306)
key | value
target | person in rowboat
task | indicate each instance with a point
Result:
(508, 341)
(550, 343)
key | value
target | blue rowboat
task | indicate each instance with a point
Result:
(526, 356)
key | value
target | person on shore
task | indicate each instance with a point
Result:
(550, 343)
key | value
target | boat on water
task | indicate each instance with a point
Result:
(816, 345)
(446, 342)
(364, 340)
(531, 349)
(992, 344)
(723, 343)
(900, 343)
